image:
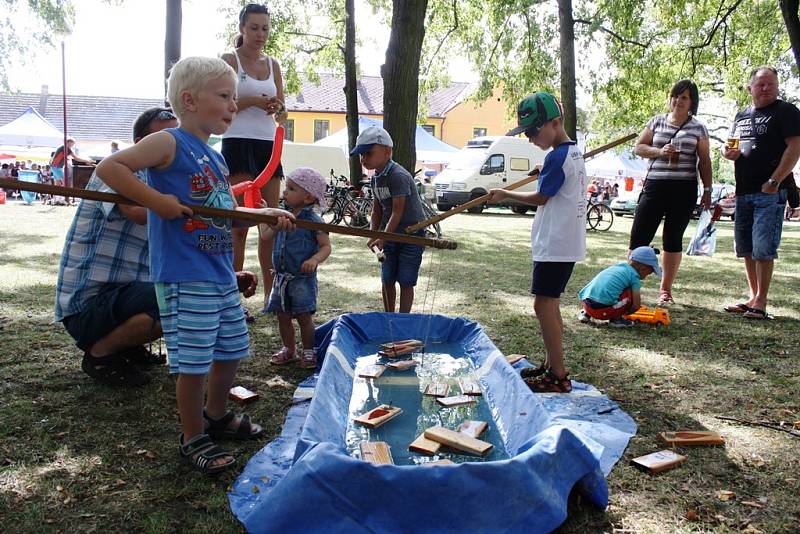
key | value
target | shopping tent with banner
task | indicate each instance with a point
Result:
(429, 148)
(609, 165)
(30, 129)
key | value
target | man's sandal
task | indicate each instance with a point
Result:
(113, 370)
(533, 372)
(549, 383)
(219, 428)
(142, 357)
(741, 307)
(284, 356)
(755, 313)
(201, 452)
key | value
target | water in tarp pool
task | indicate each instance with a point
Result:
(440, 363)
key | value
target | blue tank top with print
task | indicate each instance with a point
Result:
(199, 249)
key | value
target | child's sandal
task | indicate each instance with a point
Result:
(284, 356)
(533, 372)
(201, 452)
(549, 383)
(309, 359)
(219, 428)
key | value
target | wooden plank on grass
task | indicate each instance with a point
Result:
(658, 461)
(377, 416)
(693, 438)
(424, 445)
(437, 390)
(457, 441)
(514, 358)
(473, 429)
(243, 395)
(376, 452)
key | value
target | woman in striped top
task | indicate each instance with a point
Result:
(677, 146)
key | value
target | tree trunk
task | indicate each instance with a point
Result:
(351, 89)
(401, 78)
(567, 46)
(172, 39)
(789, 10)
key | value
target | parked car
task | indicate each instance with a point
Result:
(625, 203)
(718, 192)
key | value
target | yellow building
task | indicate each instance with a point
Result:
(319, 110)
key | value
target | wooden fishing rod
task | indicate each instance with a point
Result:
(233, 214)
(516, 185)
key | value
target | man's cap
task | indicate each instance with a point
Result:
(534, 111)
(312, 181)
(647, 256)
(373, 135)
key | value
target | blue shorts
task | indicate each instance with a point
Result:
(293, 295)
(112, 306)
(401, 264)
(202, 322)
(758, 224)
(550, 278)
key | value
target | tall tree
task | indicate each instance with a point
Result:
(789, 10)
(351, 89)
(172, 38)
(566, 27)
(400, 75)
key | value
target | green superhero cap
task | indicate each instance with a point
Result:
(534, 112)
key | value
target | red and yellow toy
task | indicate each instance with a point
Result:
(646, 315)
(251, 189)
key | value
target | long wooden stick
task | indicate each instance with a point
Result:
(756, 423)
(481, 199)
(241, 215)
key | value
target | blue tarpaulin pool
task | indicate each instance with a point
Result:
(307, 481)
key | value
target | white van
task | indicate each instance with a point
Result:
(324, 159)
(487, 163)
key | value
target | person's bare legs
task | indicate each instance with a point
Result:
(306, 322)
(220, 380)
(271, 194)
(763, 276)
(671, 264)
(138, 330)
(548, 311)
(389, 297)
(286, 329)
(406, 299)
(189, 393)
(752, 279)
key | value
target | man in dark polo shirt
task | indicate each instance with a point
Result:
(769, 147)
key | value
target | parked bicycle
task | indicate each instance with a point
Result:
(598, 216)
(347, 203)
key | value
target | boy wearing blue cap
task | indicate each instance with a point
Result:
(558, 234)
(398, 206)
(615, 291)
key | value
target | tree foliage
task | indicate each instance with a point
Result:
(17, 43)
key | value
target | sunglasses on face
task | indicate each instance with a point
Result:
(252, 8)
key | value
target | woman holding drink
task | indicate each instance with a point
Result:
(677, 146)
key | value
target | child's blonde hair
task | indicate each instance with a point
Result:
(191, 74)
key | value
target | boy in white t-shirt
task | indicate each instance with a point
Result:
(558, 234)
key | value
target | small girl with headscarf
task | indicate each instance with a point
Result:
(295, 258)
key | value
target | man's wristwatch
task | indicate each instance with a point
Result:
(773, 183)
(706, 190)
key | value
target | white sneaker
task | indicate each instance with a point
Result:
(584, 317)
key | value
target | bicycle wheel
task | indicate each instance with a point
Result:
(433, 229)
(592, 217)
(357, 212)
(606, 218)
(332, 215)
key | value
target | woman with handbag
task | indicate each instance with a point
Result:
(678, 147)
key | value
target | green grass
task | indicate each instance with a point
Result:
(76, 456)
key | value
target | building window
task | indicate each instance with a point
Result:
(478, 132)
(288, 126)
(322, 129)
(430, 128)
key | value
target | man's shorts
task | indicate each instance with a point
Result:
(112, 306)
(401, 264)
(293, 295)
(550, 278)
(202, 322)
(758, 224)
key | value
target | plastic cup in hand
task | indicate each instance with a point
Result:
(733, 143)
(675, 156)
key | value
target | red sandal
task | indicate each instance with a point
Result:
(549, 383)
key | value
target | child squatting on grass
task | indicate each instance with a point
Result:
(615, 291)
(397, 206)
(191, 259)
(558, 234)
(295, 258)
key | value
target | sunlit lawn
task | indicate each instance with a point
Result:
(76, 456)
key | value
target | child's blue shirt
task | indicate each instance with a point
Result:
(609, 283)
(294, 247)
(199, 249)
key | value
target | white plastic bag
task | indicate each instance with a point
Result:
(704, 240)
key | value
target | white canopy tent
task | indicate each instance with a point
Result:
(30, 130)
(611, 165)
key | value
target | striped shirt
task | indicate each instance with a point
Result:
(102, 247)
(685, 140)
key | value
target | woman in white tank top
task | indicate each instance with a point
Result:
(247, 145)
